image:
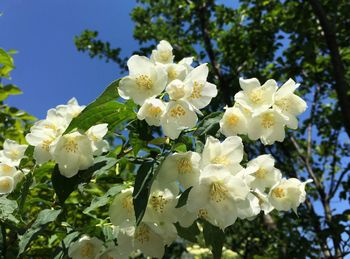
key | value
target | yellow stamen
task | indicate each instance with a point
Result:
(218, 192)
(268, 120)
(142, 234)
(71, 145)
(261, 173)
(278, 192)
(158, 203)
(87, 249)
(197, 90)
(177, 111)
(255, 96)
(127, 203)
(283, 104)
(232, 119)
(220, 160)
(144, 82)
(184, 166)
(154, 111)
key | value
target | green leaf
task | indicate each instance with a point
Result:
(110, 162)
(9, 90)
(5, 58)
(7, 207)
(105, 109)
(64, 186)
(189, 233)
(103, 200)
(62, 252)
(183, 198)
(214, 237)
(209, 125)
(44, 217)
(6, 63)
(142, 189)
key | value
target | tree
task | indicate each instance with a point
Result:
(304, 40)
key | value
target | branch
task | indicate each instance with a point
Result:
(333, 192)
(317, 226)
(307, 164)
(340, 86)
(334, 162)
(202, 12)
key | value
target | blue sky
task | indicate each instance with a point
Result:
(49, 69)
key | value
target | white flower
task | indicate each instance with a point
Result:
(176, 71)
(254, 97)
(70, 110)
(7, 184)
(8, 170)
(288, 194)
(185, 217)
(121, 211)
(264, 173)
(268, 126)
(12, 153)
(85, 248)
(42, 140)
(151, 110)
(166, 230)
(187, 62)
(144, 238)
(145, 80)
(54, 121)
(161, 203)
(234, 121)
(228, 153)
(218, 195)
(183, 167)
(163, 54)
(96, 134)
(110, 253)
(202, 91)
(248, 208)
(264, 203)
(177, 90)
(289, 104)
(72, 152)
(179, 115)
(179, 70)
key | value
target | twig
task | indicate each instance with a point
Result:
(341, 86)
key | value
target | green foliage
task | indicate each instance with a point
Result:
(64, 186)
(105, 109)
(189, 233)
(88, 42)
(6, 64)
(9, 90)
(214, 237)
(103, 200)
(44, 217)
(7, 207)
(143, 183)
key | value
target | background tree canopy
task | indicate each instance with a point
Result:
(304, 40)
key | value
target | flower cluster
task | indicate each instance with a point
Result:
(262, 112)
(73, 151)
(222, 190)
(186, 89)
(10, 158)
